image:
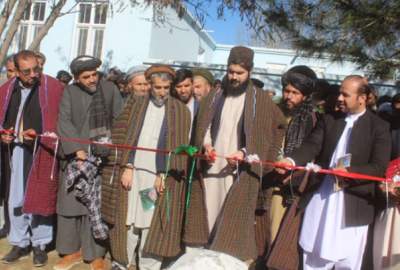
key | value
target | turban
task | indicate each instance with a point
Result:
(159, 69)
(135, 71)
(302, 78)
(241, 56)
(84, 63)
(204, 73)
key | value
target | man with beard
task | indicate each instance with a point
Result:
(297, 87)
(87, 111)
(338, 211)
(137, 83)
(183, 90)
(298, 84)
(29, 106)
(238, 121)
(133, 178)
(203, 82)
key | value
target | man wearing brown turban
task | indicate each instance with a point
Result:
(239, 121)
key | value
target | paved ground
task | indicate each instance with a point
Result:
(26, 263)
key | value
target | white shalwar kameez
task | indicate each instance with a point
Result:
(325, 240)
(219, 178)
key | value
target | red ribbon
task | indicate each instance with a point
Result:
(339, 173)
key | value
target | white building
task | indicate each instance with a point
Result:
(123, 36)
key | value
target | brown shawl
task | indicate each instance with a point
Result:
(265, 127)
(164, 237)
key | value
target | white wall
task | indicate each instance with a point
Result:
(180, 40)
(127, 37)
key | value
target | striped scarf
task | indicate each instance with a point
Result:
(299, 126)
(99, 120)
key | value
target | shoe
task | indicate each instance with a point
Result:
(98, 264)
(68, 261)
(39, 257)
(3, 233)
(15, 254)
(117, 266)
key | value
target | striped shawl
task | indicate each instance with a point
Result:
(164, 238)
(264, 128)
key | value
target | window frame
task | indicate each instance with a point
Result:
(92, 28)
(30, 24)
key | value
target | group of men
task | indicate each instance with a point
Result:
(79, 151)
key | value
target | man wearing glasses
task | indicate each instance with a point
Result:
(29, 106)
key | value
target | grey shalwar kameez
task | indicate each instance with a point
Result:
(74, 230)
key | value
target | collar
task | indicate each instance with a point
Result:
(354, 117)
(190, 103)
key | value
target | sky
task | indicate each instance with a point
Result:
(227, 30)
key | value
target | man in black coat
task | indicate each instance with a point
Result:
(338, 212)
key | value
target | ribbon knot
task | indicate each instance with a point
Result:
(313, 167)
(190, 150)
(252, 158)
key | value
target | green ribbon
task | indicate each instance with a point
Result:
(190, 151)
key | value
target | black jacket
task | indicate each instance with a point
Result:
(370, 146)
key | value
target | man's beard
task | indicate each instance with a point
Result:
(34, 83)
(291, 111)
(158, 101)
(88, 89)
(287, 111)
(232, 90)
(185, 99)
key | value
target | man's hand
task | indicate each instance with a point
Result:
(210, 154)
(8, 138)
(235, 157)
(29, 134)
(285, 165)
(392, 189)
(341, 181)
(81, 156)
(159, 184)
(127, 178)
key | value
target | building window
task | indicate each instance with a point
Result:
(38, 12)
(98, 42)
(83, 33)
(31, 23)
(92, 18)
(84, 13)
(23, 34)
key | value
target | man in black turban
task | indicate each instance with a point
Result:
(298, 84)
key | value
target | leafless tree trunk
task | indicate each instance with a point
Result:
(5, 14)
(55, 13)
(12, 29)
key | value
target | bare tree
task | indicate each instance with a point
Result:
(13, 27)
(53, 16)
(5, 14)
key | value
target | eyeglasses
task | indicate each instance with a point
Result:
(28, 71)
